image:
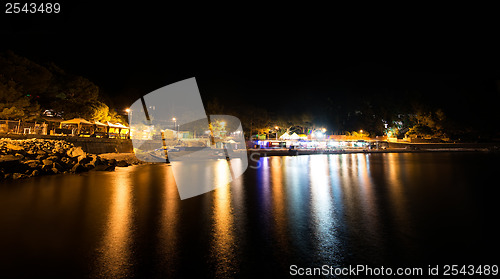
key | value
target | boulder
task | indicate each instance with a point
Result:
(104, 168)
(53, 158)
(110, 168)
(122, 163)
(9, 162)
(77, 168)
(18, 175)
(32, 164)
(84, 159)
(47, 168)
(41, 152)
(47, 162)
(58, 167)
(100, 168)
(75, 152)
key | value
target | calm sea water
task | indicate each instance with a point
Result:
(401, 210)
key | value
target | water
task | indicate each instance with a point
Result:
(400, 210)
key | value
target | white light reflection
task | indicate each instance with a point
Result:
(115, 261)
(223, 245)
(321, 206)
(167, 234)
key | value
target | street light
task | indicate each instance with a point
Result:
(127, 110)
(175, 124)
(276, 128)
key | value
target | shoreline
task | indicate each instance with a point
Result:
(21, 159)
(299, 152)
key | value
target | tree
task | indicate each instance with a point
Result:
(428, 124)
(14, 104)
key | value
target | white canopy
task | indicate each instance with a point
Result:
(116, 125)
(100, 123)
(294, 136)
(285, 136)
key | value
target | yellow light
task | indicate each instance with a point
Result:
(361, 131)
(276, 127)
(173, 119)
(324, 130)
(127, 110)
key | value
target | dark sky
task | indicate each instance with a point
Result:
(262, 56)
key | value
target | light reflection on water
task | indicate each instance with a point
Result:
(115, 258)
(307, 210)
(168, 232)
(223, 246)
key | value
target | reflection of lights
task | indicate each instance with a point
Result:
(169, 222)
(223, 240)
(322, 206)
(116, 253)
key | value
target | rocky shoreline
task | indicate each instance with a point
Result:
(33, 157)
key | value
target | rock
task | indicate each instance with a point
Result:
(75, 152)
(77, 168)
(41, 152)
(47, 168)
(100, 168)
(122, 163)
(14, 147)
(55, 171)
(20, 155)
(35, 173)
(53, 158)
(9, 162)
(112, 162)
(84, 159)
(110, 168)
(58, 167)
(32, 163)
(47, 162)
(18, 175)
(104, 168)
(89, 166)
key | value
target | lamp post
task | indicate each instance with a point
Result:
(175, 124)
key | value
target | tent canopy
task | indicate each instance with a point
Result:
(285, 136)
(100, 123)
(79, 121)
(294, 136)
(117, 125)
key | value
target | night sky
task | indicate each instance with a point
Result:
(271, 58)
